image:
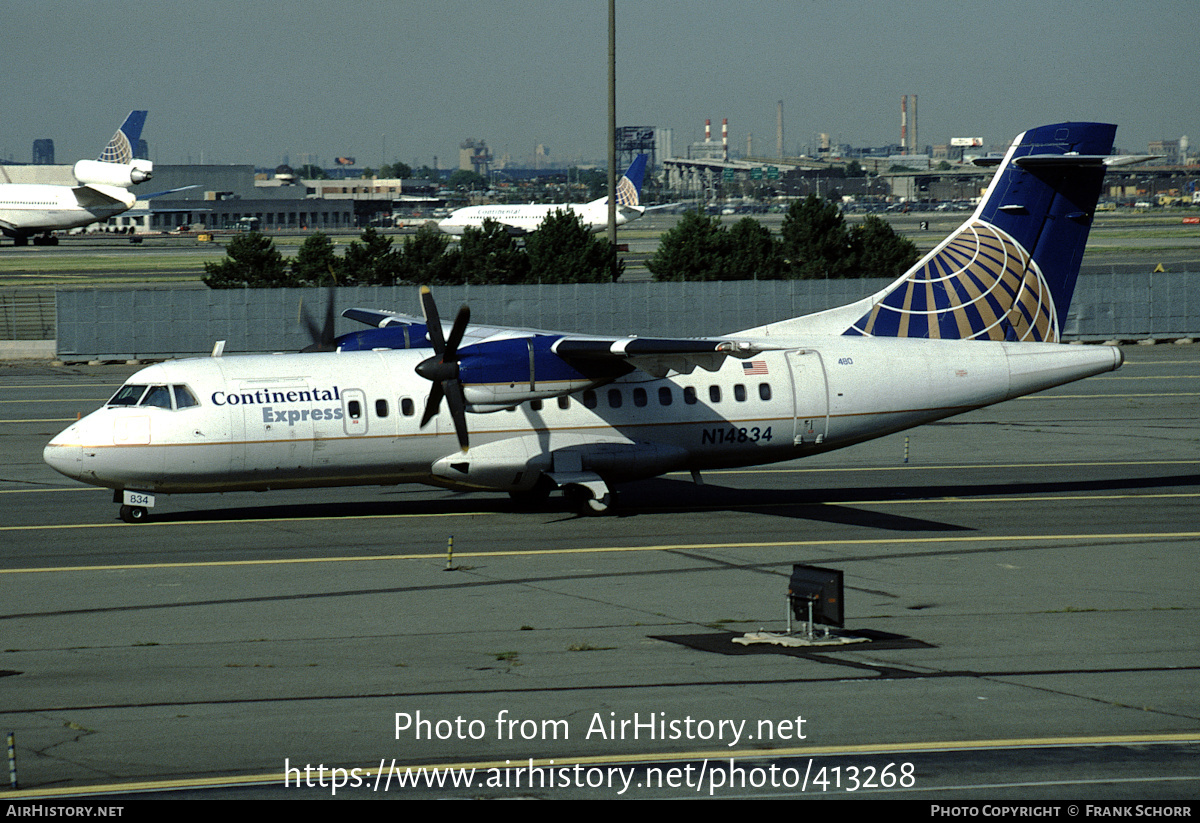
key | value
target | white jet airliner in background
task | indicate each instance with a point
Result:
(36, 210)
(519, 219)
(974, 322)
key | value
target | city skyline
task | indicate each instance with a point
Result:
(401, 81)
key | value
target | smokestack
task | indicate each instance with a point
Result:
(725, 138)
(708, 131)
(779, 129)
(904, 124)
(916, 144)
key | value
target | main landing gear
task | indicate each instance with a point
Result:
(586, 500)
(589, 495)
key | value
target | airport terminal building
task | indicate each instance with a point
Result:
(225, 196)
(215, 197)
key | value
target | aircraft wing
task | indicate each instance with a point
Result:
(655, 356)
(167, 191)
(398, 322)
(586, 353)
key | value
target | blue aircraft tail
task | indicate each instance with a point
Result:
(122, 148)
(629, 187)
(1008, 272)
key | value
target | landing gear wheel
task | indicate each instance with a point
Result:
(134, 514)
(598, 505)
(582, 499)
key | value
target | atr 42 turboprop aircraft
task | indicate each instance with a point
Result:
(975, 322)
(38, 209)
(524, 219)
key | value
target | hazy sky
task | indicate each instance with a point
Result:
(386, 80)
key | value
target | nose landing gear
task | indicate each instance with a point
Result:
(134, 514)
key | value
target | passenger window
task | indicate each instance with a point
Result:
(381, 408)
(157, 396)
(689, 395)
(589, 399)
(639, 397)
(406, 407)
(614, 398)
(714, 394)
(764, 391)
(128, 395)
(564, 402)
(664, 396)
(354, 409)
(535, 405)
(739, 393)
(184, 399)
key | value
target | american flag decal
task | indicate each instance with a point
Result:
(754, 367)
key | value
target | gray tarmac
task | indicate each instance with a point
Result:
(1025, 581)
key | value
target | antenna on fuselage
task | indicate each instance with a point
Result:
(218, 348)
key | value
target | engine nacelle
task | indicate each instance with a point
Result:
(502, 373)
(122, 175)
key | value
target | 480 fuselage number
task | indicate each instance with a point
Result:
(735, 434)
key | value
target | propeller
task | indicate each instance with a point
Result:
(322, 336)
(442, 368)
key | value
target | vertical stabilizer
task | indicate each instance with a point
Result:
(1008, 273)
(122, 147)
(629, 188)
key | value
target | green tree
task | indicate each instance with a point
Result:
(397, 170)
(754, 253)
(423, 258)
(311, 172)
(315, 262)
(488, 254)
(372, 262)
(563, 250)
(469, 180)
(251, 261)
(815, 239)
(696, 248)
(596, 181)
(879, 251)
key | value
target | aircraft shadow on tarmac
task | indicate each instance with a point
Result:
(660, 496)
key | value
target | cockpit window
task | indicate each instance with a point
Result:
(128, 395)
(135, 394)
(184, 398)
(158, 396)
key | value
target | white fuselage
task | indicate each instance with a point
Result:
(528, 218)
(314, 420)
(34, 208)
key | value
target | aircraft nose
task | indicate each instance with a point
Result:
(64, 455)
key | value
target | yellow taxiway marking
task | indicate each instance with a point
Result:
(719, 755)
(60, 400)
(937, 467)
(665, 547)
(1110, 396)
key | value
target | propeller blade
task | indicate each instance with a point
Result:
(442, 368)
(457, 402)
(431, 406)
(433, 323)
(322, 336)
(461, 320)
